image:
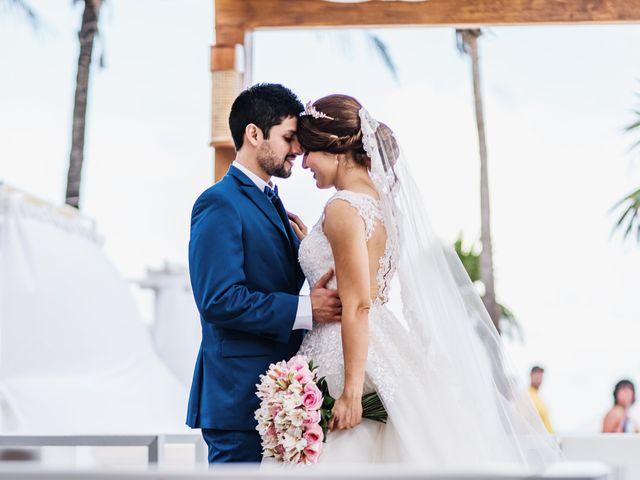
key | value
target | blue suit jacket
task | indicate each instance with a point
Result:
(243, 263)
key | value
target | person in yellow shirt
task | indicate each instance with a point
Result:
(537, 373)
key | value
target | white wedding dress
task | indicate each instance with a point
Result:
(437, 416)
(370, 442)
(435, 358)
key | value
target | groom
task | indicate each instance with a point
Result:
(243, 263)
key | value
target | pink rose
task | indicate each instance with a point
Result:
(312, 452)
(312, 418)
(312, 397)
(298, 363)
(304, 376)
(313, 434)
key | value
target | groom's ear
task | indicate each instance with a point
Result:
(253, 134)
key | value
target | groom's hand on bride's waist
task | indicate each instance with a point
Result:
(325, 302)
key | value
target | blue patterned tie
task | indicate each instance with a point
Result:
(272, 193)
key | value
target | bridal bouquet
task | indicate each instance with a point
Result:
(295, 409)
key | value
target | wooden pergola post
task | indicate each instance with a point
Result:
(227, 81)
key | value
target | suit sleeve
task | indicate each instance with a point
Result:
(216, 260)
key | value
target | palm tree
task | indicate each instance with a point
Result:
(630, 218)
(86, 36)
(467, 41)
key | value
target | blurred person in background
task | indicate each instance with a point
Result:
(537, 374)
(618, 420)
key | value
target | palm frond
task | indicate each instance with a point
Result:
(383, 52)
(344, 39)
(25, 9)
(635, 124)
(630, 217)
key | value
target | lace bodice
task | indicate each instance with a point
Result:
(315, 254)
(324, 343)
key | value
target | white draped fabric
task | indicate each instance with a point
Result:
(176, 329)
(75, 356)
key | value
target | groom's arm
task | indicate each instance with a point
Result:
(322, 305)
(216, 260)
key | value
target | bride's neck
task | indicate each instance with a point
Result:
(352, 177)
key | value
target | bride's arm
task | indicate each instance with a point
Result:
(346, 233)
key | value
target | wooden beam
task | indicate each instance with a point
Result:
(223, 158)
(223, 57)
(256, 14)
(229, 34)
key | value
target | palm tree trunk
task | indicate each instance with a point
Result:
(486, 256)
(86, 36)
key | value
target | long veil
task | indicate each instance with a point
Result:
(454, 403)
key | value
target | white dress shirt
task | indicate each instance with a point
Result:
(304, 314)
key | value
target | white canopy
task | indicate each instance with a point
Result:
(75, 356)
(176, 328)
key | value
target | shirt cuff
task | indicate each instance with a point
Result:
(304, 314)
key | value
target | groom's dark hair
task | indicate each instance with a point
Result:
(264, 105)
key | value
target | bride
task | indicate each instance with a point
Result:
(413, 329)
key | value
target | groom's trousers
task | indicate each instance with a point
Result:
(233, 446)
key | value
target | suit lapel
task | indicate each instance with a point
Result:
(259, 199)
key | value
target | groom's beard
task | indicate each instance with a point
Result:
(272, 165)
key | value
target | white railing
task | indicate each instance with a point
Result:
(621, 451)
(155, 444)
(346, 472)
(617, 454)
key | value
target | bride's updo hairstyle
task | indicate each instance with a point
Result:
(340, 133)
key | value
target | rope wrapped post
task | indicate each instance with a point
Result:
(227, 82)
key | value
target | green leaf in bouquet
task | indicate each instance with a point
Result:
(324, 425)
(322, 386)
(328, 402)
(373, 409)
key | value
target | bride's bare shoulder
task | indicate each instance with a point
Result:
(341, 219)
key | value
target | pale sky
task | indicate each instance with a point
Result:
(556, 101)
